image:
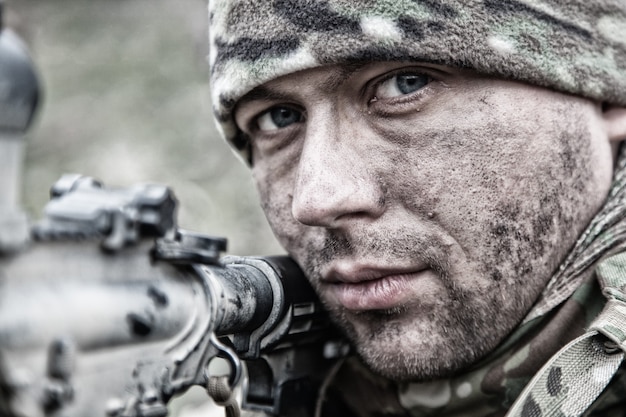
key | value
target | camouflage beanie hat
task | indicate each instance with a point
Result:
(574, 46)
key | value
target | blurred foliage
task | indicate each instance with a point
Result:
(126, 100)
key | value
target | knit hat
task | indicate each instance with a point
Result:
(574, 46)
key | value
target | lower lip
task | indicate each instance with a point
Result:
(379, 294)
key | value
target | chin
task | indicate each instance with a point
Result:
(399, 350)
(403, 362)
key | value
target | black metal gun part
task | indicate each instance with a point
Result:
(112, 311)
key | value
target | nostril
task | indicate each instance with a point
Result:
(332, 209)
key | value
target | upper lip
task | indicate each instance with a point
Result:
(356, 272)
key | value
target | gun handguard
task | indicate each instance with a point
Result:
(118, 328)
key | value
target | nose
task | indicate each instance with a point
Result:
(335, 183)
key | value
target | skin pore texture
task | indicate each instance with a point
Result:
(427, 205)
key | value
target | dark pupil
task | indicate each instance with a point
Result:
(283, 116)
(408, 83)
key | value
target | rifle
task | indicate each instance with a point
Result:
(119, 327)
(107, 308)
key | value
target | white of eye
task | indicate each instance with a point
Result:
(266, 123)
(401, 84)
(278, 118)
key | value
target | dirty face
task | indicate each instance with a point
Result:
(427, 205)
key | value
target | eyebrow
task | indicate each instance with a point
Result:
(262, 93)
(334, 81)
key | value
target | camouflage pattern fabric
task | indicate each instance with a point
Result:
(578, 373)
(575, 46)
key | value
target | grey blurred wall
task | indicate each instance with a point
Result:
(126, 100)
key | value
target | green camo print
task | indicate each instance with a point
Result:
(575, 46)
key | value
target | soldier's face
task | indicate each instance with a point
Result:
(428, 206)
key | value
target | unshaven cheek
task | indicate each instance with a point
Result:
(488, 196)
(515, 199)
(276, 189)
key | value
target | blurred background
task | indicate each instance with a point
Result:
(126, 100)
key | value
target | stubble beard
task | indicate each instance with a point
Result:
(522, 242)
(418, 341)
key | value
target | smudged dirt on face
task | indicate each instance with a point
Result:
(489, 188)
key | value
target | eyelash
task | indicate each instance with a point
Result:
(255, 122)
(374, 100)
(383, 106)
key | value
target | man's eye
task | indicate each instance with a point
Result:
(401, 84)
(278, 118)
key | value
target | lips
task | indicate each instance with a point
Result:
(361, 288)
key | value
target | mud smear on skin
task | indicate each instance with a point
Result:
(527, 235)
(522, 229)
(522, 235)
(389, 326)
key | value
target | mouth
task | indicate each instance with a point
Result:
(362, 288)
